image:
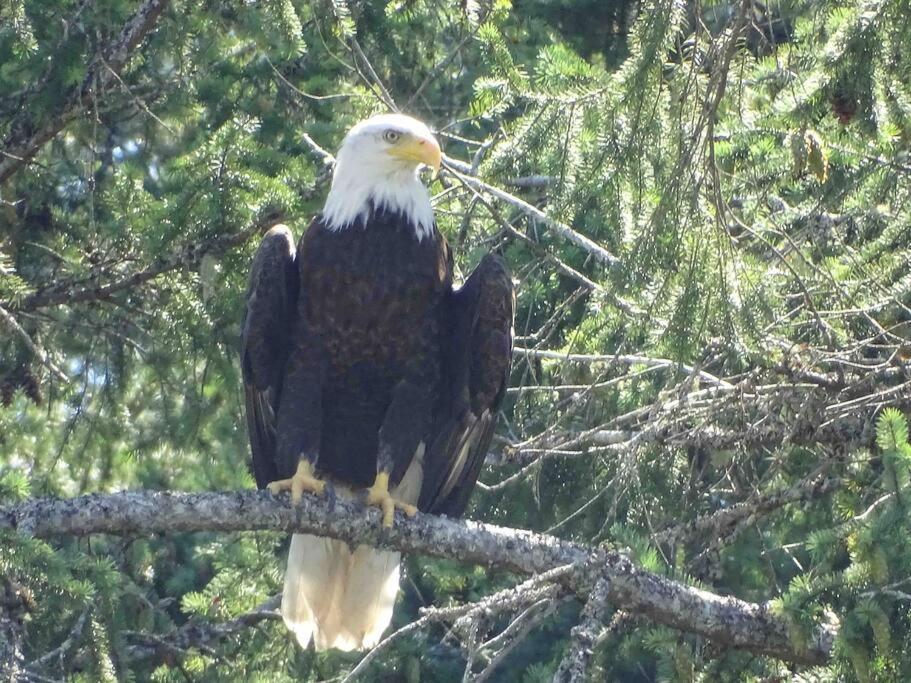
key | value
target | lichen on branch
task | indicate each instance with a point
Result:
(725, 620)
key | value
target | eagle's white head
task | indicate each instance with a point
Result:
(377, 165)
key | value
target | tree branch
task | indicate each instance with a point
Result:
(763, 408)
(584, 636)
(89, 289)
(61, 652)
(37, 351)
(461, 171)
(726, 523)
(188, 256)
(727, 621)
(621, 359)
(24, 140)
(15, 604)
(198, 636)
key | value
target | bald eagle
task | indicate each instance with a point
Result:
(368, 374)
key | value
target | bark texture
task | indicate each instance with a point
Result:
(584, 636)
(725, 620)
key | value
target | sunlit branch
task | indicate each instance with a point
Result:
(725, 620)
(459, 170)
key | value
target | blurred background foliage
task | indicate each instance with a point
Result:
(747, 165)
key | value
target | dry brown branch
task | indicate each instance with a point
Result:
(621, 359)
(726, 523)
(766, 408)
(464, 617)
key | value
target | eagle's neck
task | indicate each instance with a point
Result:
(359, 188)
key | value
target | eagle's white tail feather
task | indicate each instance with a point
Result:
(344, 599)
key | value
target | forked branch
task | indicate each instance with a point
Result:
(727, 621)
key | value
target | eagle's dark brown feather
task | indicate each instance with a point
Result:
(266, 341)
(380, 354)
(371, 293)
(477, 352)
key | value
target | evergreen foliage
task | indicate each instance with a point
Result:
(737, 420)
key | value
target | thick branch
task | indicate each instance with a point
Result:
(25, 140)
(726, 620)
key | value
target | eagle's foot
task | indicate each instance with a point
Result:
(303, 480)
(378, 496)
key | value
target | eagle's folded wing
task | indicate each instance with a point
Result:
(265, 343)
(477, 353)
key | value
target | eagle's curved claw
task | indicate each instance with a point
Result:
(378, 496)
(303, 480)
(331, 496)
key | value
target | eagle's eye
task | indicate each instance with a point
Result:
(391, 136)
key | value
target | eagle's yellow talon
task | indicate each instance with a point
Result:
(378, 496)
(303, 480)
(408, 509)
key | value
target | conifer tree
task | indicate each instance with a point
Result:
(707, 211)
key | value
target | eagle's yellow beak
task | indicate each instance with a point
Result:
(423, 150)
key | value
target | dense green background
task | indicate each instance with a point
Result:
(747, 164)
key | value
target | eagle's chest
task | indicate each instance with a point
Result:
(375, 301)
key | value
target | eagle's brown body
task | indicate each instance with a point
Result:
(356, 305)
(359, 356)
